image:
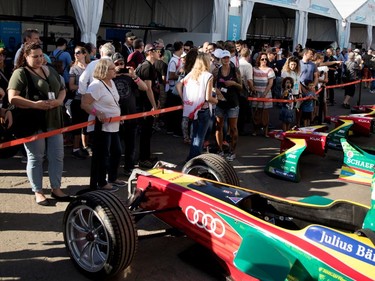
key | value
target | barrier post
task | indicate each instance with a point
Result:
(359, 93)
(321, 104)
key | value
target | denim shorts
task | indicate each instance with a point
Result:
(230, 112)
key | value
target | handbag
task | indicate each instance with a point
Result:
(27, 121)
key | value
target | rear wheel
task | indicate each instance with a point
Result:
(213, 167)
(99, 234)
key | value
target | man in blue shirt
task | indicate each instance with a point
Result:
(60, 57)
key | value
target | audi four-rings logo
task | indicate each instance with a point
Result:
(206, 221)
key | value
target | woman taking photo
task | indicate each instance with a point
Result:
(101, 101)
(37, 86)
(197, 97)
(263, 79)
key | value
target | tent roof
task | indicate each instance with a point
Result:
(348, 7)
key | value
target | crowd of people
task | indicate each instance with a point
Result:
(213, 83)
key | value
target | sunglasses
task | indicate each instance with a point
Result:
(264, 59)
(37, 56)
(119, 63)
(80, 52)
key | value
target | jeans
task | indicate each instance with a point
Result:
(200, 127)
(53, 147)
(108, 152)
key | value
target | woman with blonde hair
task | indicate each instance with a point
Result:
(195, 89)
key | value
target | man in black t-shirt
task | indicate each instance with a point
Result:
(127, 85)
(330, 61)
(148, 102)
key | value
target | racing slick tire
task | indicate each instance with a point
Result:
(213, 167)
(99, 234)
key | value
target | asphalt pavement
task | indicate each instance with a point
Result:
(31, 239)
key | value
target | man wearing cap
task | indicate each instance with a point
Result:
(148, 102)
(215, 59)
(159, 45)
(127, 47)
(127, 83)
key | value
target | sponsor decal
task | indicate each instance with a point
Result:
(283, 173)
(341, 243)
(359, 163)
(316, 139)
(205, 221)
(235, 200)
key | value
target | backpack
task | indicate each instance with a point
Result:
(56, 63)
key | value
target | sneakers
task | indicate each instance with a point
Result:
(221, 153)
(118, 183)
(78, 154)
(230, 157)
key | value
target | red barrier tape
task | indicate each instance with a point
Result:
(282, 100)
(89, 123)
(149, 113)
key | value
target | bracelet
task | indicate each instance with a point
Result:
(137, 80)
(93, 111)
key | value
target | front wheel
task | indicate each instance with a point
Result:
(99, 234)
(213, 167)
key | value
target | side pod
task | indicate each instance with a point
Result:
(341, 131)
(285, 165)
(358, 165)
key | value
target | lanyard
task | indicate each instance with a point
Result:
(111, 93)
(45, 75)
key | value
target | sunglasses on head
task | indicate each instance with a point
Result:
(80, 52)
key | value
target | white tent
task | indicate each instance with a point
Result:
(343, 12)
(316, 19)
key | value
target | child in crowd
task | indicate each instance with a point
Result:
(307, 106)
(287, 115)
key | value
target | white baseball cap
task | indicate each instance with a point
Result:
(217, 53)
(224, 54)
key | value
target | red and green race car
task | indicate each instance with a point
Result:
(255, 236)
